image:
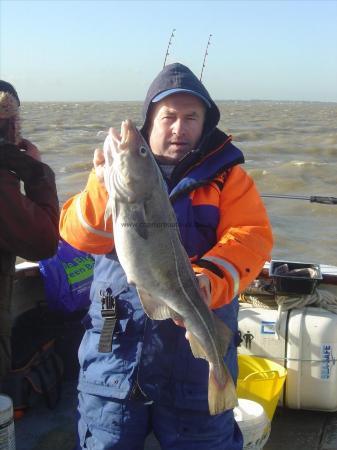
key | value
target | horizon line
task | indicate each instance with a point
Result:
(215, 100)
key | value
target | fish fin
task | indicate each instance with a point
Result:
(196, 348)
(139, 222)
(222, 393)
(224, 334)
(153, 307)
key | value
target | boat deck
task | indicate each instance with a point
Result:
(45, 429)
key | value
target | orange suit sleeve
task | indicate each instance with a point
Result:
(82, 221)
(244, 239)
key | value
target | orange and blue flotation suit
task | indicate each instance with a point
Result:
(226, 233)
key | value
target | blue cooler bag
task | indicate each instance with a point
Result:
(67, 278)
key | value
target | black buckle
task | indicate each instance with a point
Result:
(109, 315)
(108, 302)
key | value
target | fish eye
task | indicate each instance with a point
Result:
(143, 151)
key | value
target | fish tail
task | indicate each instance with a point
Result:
(221, 390)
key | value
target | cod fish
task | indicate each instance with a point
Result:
(148, 245)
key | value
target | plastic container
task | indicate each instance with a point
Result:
(261, 380)
(7, 435)
(303, 283)
(253, 423)
(305, 344)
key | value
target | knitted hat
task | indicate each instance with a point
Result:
(9, 100)
(9, 109)
(7, 87)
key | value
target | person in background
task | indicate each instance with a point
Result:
(28, 221)
(139, 375)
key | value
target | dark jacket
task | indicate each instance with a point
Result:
(28, 225)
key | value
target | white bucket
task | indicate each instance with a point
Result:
(7, 435)
(253, 423)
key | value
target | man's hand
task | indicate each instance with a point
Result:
(205, 287)
(99, 162)
(30, 149)
(102, 157)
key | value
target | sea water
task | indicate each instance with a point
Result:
(290, 148)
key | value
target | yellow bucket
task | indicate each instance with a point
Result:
(260, 380)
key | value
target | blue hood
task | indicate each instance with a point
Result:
(179, 76)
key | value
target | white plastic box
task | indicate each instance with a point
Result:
(306, 345)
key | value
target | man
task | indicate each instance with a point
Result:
(141, 376)
(29, 222)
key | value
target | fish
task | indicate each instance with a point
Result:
(148, 245)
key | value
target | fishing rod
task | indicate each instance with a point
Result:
(311, 199)
(168, 47)
(206, 53)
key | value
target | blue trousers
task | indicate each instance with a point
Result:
(124, 425)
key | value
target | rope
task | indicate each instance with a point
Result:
(320, 298)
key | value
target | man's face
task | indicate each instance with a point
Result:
(177, 125)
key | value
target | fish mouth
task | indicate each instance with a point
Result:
(126, 177)
(125, 134)
(128, 136)
(123, 139)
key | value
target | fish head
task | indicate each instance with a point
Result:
(135, 172)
